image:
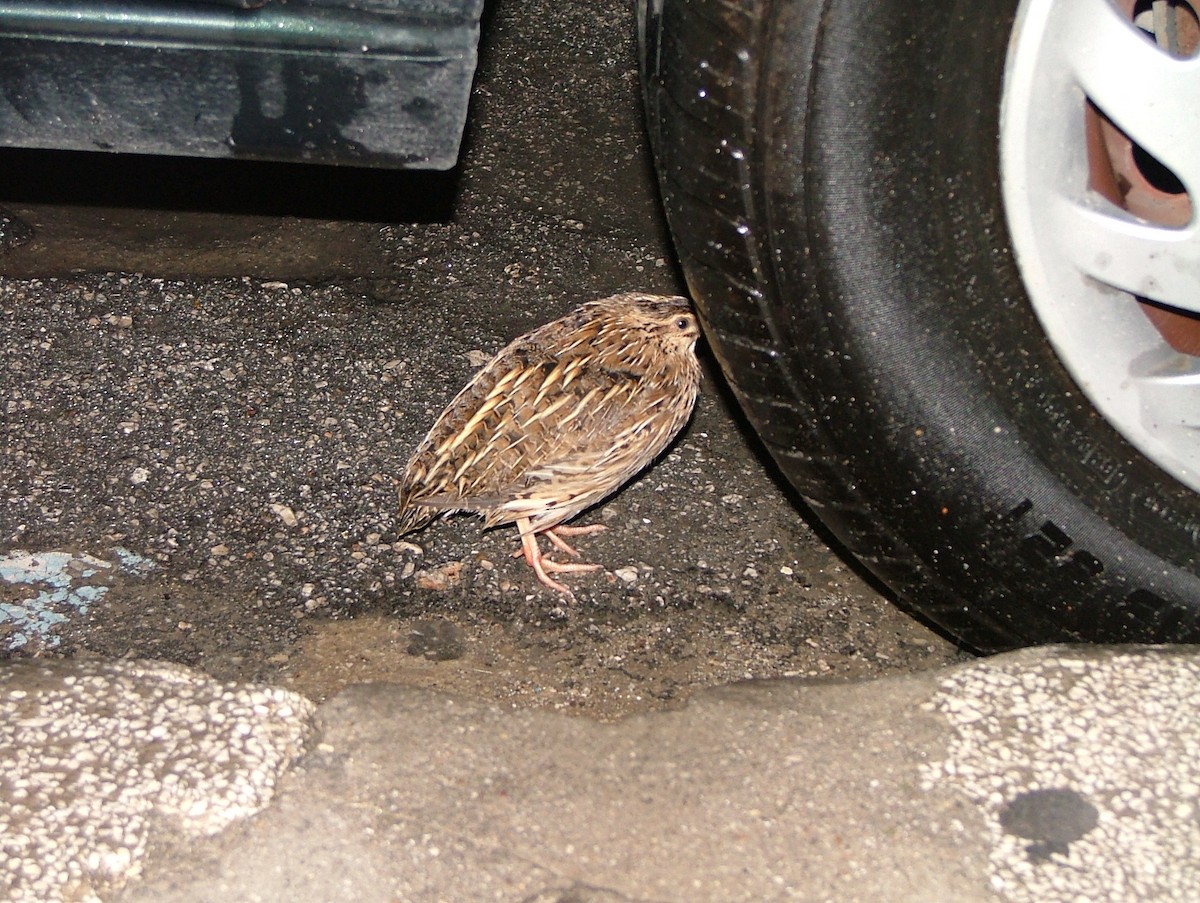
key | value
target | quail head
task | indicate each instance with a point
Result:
(557, 421)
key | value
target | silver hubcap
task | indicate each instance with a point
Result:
(1099, 141)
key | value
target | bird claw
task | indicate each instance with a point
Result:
(583, 530)
(559, 567)
(556, 535)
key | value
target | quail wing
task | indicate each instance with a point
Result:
(545, 440)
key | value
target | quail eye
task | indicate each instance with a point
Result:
(682, 323)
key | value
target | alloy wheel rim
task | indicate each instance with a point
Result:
(1099, 128)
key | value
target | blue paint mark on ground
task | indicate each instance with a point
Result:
(46, 589)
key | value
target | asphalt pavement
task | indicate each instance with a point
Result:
(213, 375)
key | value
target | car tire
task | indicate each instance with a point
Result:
(831, 174)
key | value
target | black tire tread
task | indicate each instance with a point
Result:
(728, 267)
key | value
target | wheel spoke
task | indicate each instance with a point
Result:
(1165, 367)
(1150, 95)
(1170, 404)
(1155, 262)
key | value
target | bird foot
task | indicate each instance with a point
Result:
(543, 566)
(556, 534)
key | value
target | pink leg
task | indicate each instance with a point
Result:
(540, 565)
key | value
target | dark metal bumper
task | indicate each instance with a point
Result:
(362, 82)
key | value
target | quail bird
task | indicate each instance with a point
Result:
(557, 421)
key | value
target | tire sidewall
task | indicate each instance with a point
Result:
(904, 307)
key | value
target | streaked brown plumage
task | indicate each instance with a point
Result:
(558, 420)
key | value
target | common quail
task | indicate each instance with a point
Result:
(557, 421)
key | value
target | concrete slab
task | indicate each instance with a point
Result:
(1051, 775)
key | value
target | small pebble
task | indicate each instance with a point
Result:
(285, 514)
(440, 578)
